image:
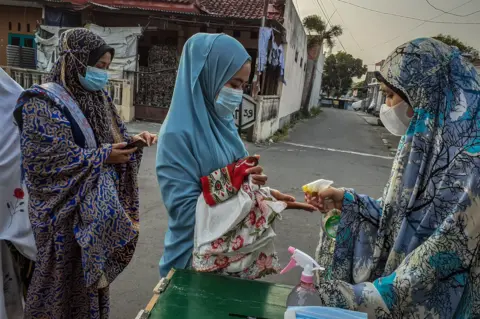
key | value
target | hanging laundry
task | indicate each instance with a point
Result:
(274, 56)
(282, 60)
(263, 40)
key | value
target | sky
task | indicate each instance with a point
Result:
(372, 36)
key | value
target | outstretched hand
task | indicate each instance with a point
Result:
(291, 201)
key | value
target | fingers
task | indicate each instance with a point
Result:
(328, 193)
(139, 138)
(118, 146)
(302, 206)
(125, 152)
(282, 197)
(257, 177)
(259, 180)
(308, 198)
(149, 138)
(144, 136)
(257, 170)
(155, 139)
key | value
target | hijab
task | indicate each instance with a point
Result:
(437, 166)
(194, 141)
(14, 223)
(80, 48)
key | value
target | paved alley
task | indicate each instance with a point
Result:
(338, 145)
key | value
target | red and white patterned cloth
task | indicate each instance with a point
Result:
(234, 231)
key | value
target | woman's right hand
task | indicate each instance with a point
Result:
(326, 200)
(119, 155)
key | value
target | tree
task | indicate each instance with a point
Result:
(361, 89)
(338, 72)
(358, 85)
(318, 33)
(464, 48)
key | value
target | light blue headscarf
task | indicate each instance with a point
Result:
(194, 140)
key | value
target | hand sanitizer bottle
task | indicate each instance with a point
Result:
(305, 293)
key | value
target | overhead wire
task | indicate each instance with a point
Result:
(419, 25)
(328, 21)
(343, 21)
(453, 14)
(408, 17)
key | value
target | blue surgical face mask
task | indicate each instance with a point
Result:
(228, 101)
(95, 79)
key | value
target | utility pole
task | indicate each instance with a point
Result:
(257, 83)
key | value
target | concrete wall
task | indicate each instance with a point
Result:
(317, 81)
(295, 60)
(267, 122)
(12, 17)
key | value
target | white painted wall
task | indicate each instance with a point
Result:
(317, 83)
(291, 98)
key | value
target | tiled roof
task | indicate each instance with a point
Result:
(241, 9)
(186, 6)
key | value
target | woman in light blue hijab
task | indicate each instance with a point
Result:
(199, 134)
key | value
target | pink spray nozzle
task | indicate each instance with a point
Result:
(292, 263)
(299, 258)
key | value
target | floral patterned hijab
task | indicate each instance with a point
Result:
(437, 167)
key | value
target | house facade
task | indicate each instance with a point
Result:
(18, 22)
(149, 36)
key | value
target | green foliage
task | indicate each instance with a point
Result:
(338, 72)
(447, 39)
(358, 85)
(318, 31)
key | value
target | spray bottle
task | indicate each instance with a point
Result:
(331, 219)
(304, 294)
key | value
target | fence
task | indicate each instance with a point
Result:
(120, 90)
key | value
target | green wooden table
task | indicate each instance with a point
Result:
(186, 294)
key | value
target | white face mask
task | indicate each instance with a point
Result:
(395, 118)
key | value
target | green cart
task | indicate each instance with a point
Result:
(185, 294)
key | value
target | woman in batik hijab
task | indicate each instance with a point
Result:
(17, 245)
(82, 183)
(415, 252)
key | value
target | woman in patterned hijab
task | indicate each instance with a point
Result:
(415, 252)
(82, 183)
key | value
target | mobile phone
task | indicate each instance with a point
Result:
(138, 144)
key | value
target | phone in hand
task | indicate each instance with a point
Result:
(138, 144)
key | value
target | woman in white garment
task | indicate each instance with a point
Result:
(17, 245)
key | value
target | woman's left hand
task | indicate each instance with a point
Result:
(147, 137)
(258, 178)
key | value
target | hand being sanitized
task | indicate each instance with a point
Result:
(304, 294)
